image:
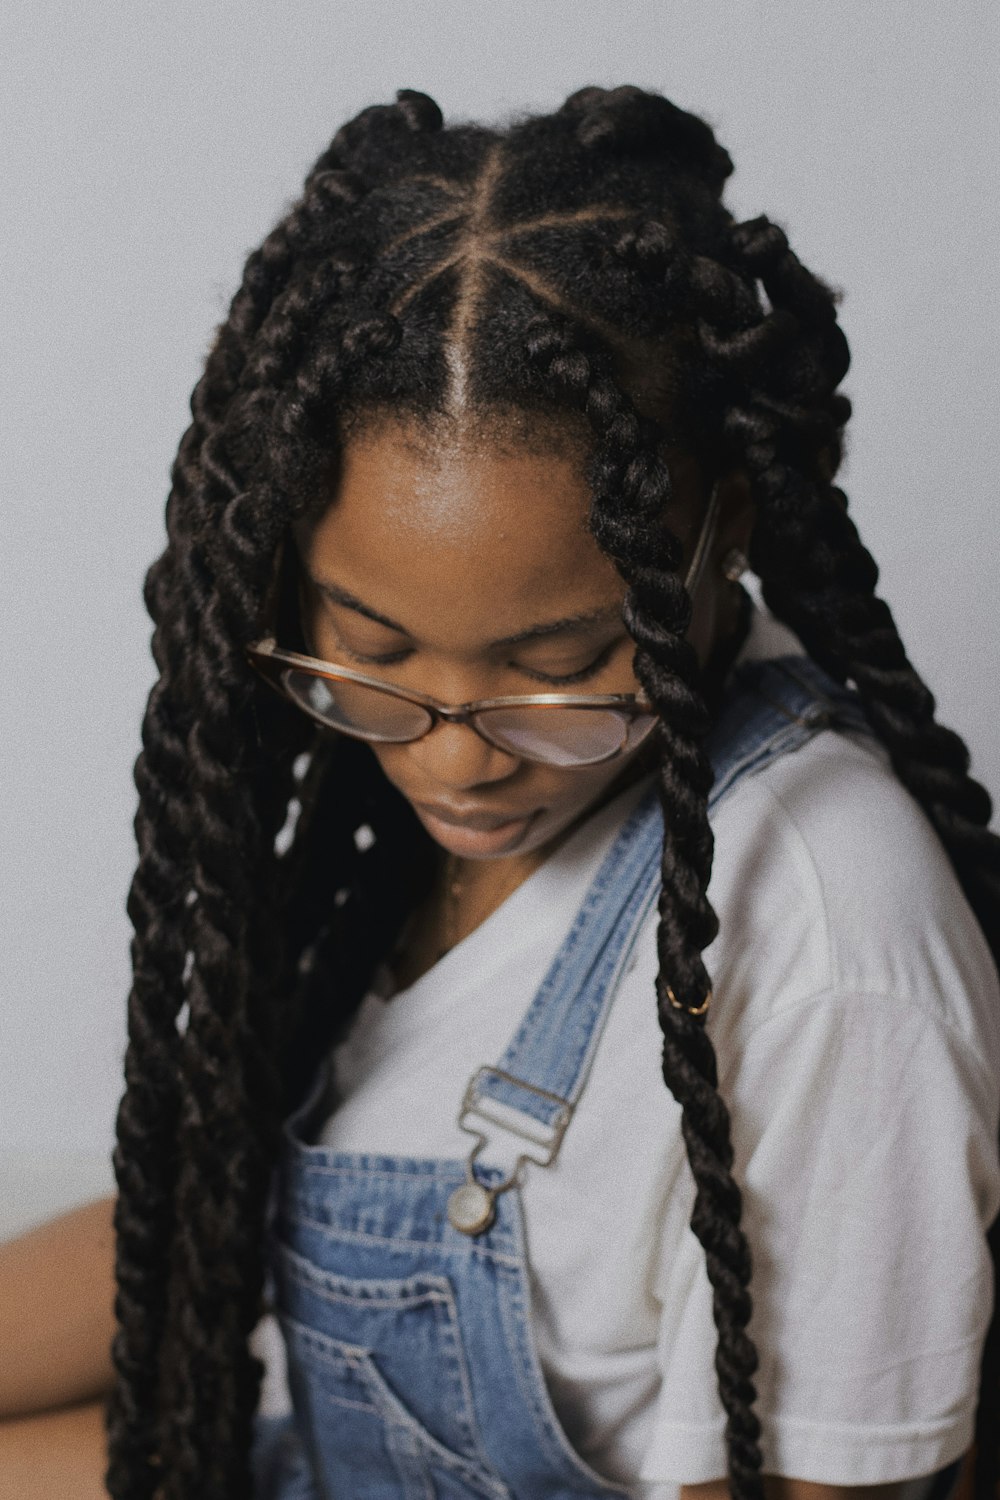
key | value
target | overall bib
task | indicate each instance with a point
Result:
(411, 1360)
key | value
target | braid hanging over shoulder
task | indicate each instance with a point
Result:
(631, 487)
(577, 268)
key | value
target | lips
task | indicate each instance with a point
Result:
(480, 821)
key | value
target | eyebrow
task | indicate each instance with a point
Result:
(534, 633)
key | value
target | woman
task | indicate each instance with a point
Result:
(495, 424)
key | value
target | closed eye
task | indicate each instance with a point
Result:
(551, 679)
(566, 678)
(392, 659)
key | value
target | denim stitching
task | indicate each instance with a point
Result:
(351, 1238)
(513, 1313)
(337, 1356)
(365, 1293)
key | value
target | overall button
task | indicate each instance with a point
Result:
(471, 1208)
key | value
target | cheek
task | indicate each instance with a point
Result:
(569, 796)
(573, 797)
(587, 789)
(573, 792)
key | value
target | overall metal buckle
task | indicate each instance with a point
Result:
(472, 1207)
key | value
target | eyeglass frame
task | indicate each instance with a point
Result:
(268, 658)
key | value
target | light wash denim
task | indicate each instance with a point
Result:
(411, 1359)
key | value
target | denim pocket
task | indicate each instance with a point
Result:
(364, 1436)
(378, 1374)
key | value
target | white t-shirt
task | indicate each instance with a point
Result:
(856, 1021)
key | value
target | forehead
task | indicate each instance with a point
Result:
(460, 527)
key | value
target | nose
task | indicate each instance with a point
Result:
(456, 757)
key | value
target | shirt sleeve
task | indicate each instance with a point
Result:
(865, 1134)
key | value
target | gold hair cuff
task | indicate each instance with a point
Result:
(692, 1010)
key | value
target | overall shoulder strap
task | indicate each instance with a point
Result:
(772, 706)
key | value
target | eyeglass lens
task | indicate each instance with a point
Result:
(560, 736)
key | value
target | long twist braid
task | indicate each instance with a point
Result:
(180, 593)
(231, 1084)
(144, 1152)
(815, 571)
(214, 1290)
(235, 1125)
(145, 1158)
(772, 377)
(818, 576)
(631, 494)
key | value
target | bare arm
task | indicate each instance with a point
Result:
(60, 1455)
(57, 1312)
(778, 1488)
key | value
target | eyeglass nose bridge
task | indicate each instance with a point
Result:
(443, 713)
(458, 714)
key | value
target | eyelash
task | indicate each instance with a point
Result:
(565, 680)
(590, 670)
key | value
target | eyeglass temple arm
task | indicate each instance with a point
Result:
(704, 543)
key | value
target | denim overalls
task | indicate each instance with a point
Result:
(411, 1359)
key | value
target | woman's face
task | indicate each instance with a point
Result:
(466, 571)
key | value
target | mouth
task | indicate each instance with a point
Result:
(474, 833)
(479, 821)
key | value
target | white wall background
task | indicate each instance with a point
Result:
(148, 147)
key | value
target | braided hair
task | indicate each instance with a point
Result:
(417, 275)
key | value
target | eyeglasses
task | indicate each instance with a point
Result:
(556, 729)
